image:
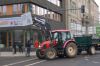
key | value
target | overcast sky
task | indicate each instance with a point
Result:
(98, 2)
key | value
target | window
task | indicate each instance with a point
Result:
(41, 11)
(33, 9)
(64, 36)
(55, 36)
(73, 6)
(45, 13)
(48, 14)
(56, 2)
(0, 10)
(20, 7)
(15, 9)
(4, 10)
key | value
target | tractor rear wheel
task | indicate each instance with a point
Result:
(39, 54)
(91, 50)
(71, 50)
(51, 53)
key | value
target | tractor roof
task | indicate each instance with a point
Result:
(60, 31)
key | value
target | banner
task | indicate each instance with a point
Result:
(23, 20)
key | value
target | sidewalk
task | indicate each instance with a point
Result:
(10, 54)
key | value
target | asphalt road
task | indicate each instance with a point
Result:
(80, 60)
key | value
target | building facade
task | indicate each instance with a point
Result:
(59, 14)
(74, 17)
(48, 10)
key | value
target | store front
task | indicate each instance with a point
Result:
(6, 38)
(21, 29)
(12, 29)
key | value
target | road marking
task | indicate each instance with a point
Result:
(35, 63)
(95, 62)
(19, 62)
(87, 59)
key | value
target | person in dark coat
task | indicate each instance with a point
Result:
(28, 47)
(20, 48)
(14, 48)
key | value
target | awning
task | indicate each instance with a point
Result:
(19, 28)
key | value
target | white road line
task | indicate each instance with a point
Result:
(86, 59)
(19, 62)
(35, 63)
(95, 62)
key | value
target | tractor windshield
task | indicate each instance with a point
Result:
(55, 36)
(61, 36)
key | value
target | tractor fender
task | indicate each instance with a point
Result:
(45, 43)
(67, 42)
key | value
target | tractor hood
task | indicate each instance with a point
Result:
(46, 43)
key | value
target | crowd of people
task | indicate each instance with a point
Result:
(18, 46)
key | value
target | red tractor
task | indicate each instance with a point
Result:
(60, 43)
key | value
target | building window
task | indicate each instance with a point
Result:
(48, 13)
(4, 10)
(0, 10)
(33, 9)
(56, 2)
(20, 8)
(73, 6)
(45, 13)
(15, 9)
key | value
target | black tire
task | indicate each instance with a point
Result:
(71, 50)
(51, 53)
(79, 52)
(39, 55)
(91, 50)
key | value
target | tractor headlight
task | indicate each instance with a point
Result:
(39, 46)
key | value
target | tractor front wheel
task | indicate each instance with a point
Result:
(39, 54)
(51, 53)
(71, 50)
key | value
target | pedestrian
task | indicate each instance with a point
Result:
(14, 48)
(28, 47)
(20, 46)
(36, 44)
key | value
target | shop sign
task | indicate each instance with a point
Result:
(27, 19)
(23, 20)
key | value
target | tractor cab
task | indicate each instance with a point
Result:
(60, 37)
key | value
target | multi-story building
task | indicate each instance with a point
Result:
(59, 14)
(48, 10)
(94, 14)
(78, 22)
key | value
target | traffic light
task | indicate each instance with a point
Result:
(83, 9)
